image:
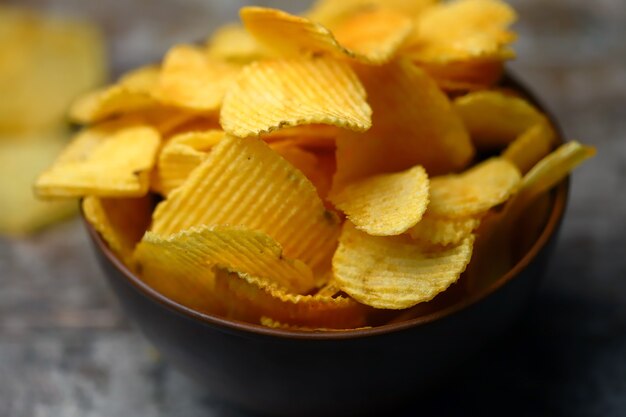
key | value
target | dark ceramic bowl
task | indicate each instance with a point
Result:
(279, 372)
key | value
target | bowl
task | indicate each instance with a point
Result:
(369, 371)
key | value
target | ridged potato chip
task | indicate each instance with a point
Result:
(413, 124)
(270, 95)
(202, 248)
(396, 272)
(104, 161)
(463, 30)
(475, 191)
(444, 231)
(530, 147)
(191, 80)
(250, 298)
(385, 204)
(244, 182)
(181, 155)
(120, 221)
(234, 43)
(495, 119)
(371, 36)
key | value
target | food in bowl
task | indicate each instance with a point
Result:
(329, 171)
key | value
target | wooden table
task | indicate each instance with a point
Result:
(67, 350)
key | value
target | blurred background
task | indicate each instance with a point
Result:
(67, 350)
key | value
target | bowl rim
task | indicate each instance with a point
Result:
(557, 212)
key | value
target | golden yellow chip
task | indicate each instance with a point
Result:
(332, 13)
(385, 204)
(496, 119)
(45, 62)
(270, 95)
(413, 124)
(181, 155)
(233, 43)
(308, 136)
(530, 147)
(371, 36)
(244, 182)
(191, 80)
(249, 298)
(444, 231)
(104, 161)
(479, 74)
(396, 272)
(189, 257)
(120, 221)
(463, 30)
(475, 191)
(21, 160)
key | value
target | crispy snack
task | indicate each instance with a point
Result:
(315, 136)
(249, 298)
(270, 95)
(444, 231)
(181, 155)
(385, 204)
(530, 147)
(191, 80)
(243, 182)
(120, 221)
(396, 272)
(110, 160)
(419, 128)
(475, 191)
(495, 119)
(189, 257)
(233, 43)
(370, 36)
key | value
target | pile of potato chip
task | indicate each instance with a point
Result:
(320, 171)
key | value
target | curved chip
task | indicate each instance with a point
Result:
(182, 154)
(120, 221)
(372, 36)
(385, 204)
(495, 119)
(530, 147)
(463, 30)
(475, 191)
(104, 161)
(396, 272)
(463, 76)
(444, 231)
(413, 124)
(270, 95)
(189, 257)
(191, 80)
(250, 298)
(244, 182)
(233, 43)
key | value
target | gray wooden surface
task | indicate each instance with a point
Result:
(66, 349)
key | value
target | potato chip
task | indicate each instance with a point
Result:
(181, 155)
(249, 298)
(332, 13)
(233, 43)
(189, 257)
(270, 95)
(371, 36)
(106, 102)
(21, 160)
(444, 231)
(191, 80)
(413, 124)
(496, 119)
(396, 272)
(243, 182)
(120, 221)
(329, 289)
(104, 161)
(308, 136)
(530, 147)
(45, 63)
(463, 30)
(385, 204)
(478, 74)
(475, 191)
